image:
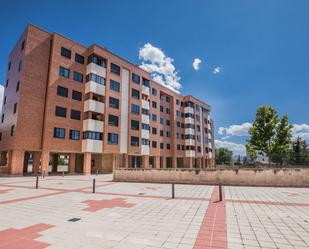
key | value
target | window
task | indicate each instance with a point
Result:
(178, 124)
(115, 69)
(177, 102)
(161, 108)
(161, 96)
(168, 99)
(182, 115)
(136, 78)
(182, 147)
(59, 132)
(4, 102)
(20, 66)
(168, 134)
(145, 111)
(76, 95)
(15, 108)
(191, 126)
(146, 82)
(17, 86)
(95, 78)
(189, 104)
(7, 83)
(134, 125)
(189, 136)
(198, 118)
(154, 144)
(134, 141)
(2, 118)
(112, 138)
(182, 125)
(189, 115)
(178, 113)
(161, 120)
(145, 126)
(79, 58)
(113, 120)
(61, 111)
(168, 123)
(74, 135)
(100, 61)
(94, 135)
(78, 77)
(135, 109)
(114, 85)
(198, 128)
(75, 114)
(198, 138)
(145, 141)
(12, 130)
(64, 72)
(154, 117)
(161, 133)
(198, 148)
(197, 107)
(154, 91)
(0, 136)
(161, 146)
(114, 103)
(62, 91)
(65, 52)
(154, 130)
(9, 66)
(154, 104)
(23, 45)
(135, 93)
(178, 146)
(168, 111)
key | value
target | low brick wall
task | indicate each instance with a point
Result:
(288, 177)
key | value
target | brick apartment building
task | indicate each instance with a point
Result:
(85, 110)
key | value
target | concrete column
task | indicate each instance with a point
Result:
(87, 163)
(44, 162)
(17, 162)
(72, 161)
(36, 162)
(145, 162)
(157, 162)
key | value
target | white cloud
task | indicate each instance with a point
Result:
(238, 149)
(235, 130)
(196, 64)
(300, 130)
(160, 67)
(1, 96)
(217, 70)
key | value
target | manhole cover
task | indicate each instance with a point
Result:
(74, 219)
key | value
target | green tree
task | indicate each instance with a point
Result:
(251, 153)
(223, 156)
(299, 153)
(270, 134)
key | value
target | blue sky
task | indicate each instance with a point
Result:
(260, 46)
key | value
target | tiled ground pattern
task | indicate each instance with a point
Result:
(140, 215)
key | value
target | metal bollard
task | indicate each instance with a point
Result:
(93, 186)
(220, 192)
(37, 182)
(173, 191)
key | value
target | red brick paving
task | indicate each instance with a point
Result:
(95, 205)
(23, 238)
(276, 203)
(213, 231)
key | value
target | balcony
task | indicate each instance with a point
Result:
(94, 146)
(95, 87)
(189, 120)
(189, 131)
(93, 106)
(190, 153)
(145, 149)
(189, 110)
(93, 125)
(145, 104)
(145, 134)
(96, 69)
(145, 119)
(145, 90)
(190, 142)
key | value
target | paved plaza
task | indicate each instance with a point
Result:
(64, 213)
